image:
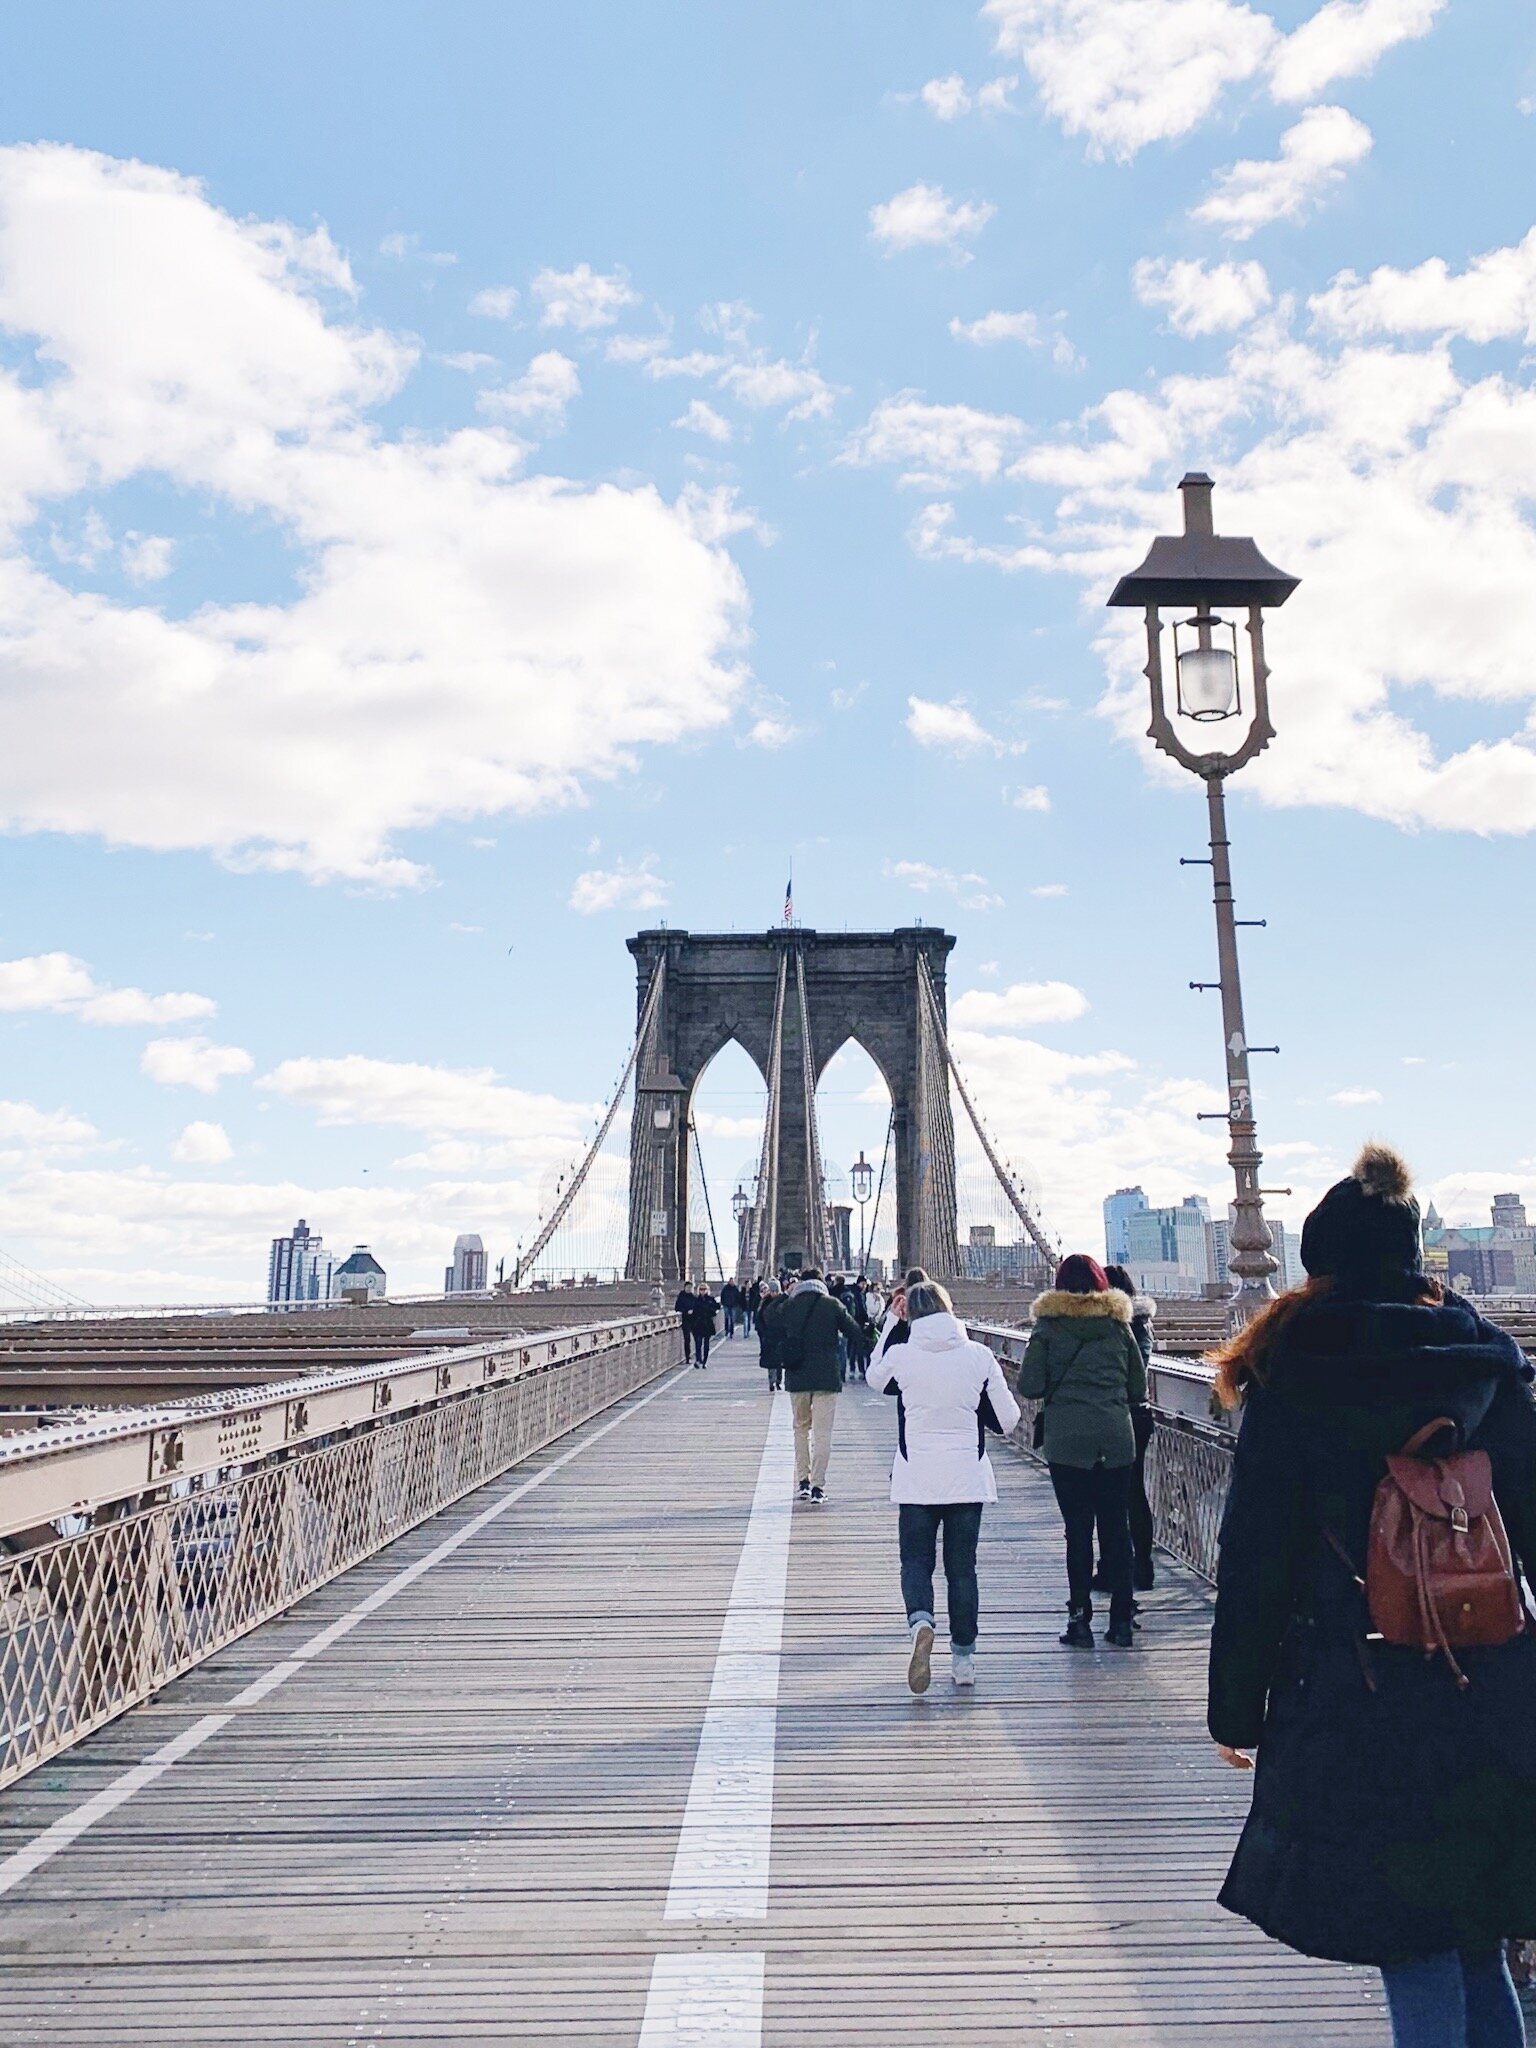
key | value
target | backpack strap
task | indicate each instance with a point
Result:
(1427, 1434)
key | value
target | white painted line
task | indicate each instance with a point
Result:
(705, 2001)
(721, 1868)
(21, 1863)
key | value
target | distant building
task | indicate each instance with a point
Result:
(1218, 1245)
(299, 1268)
(983, 1258)
(361, 1277)
(467, 1273)
(1173, 1241)
(840, 1231)
(696, 1266)
(1119, 1208)
(1494, 1258)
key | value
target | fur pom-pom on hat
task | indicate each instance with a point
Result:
(1383, 1173)
(1364, 1233)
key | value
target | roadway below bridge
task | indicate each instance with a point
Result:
(618, 1750)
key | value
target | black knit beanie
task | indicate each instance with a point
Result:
(1366, 1228)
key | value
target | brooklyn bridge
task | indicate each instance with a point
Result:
(364, 1679)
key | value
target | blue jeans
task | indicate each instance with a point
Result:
(1455, 2000)
(918, 1528)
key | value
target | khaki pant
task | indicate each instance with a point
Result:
(814, 1416)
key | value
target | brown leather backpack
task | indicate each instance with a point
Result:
(1439, 1573)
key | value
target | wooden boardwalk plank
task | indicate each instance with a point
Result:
(458, 1824)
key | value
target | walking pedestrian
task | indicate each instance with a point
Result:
(811, 1326)
(949, 1392)
(770, 1352)
(1143, 1572)
(893, 1324)
(752, 1301)
(684, 1307)
(1394, 1807)
(705, 1311)
(1084, 1365)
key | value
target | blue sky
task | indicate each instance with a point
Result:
(480, 479)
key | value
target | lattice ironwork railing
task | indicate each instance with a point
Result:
(1188, 1465)
(95, 1622)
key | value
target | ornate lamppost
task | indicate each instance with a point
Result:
(740, 1203)
(862, 1178)
(1203, 573)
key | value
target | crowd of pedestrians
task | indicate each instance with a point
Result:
(1373, 1650)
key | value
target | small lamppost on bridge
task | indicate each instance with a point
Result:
(741, 1202)
(1203, 572)
(862, 1178)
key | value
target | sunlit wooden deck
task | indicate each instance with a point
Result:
(460, 1822)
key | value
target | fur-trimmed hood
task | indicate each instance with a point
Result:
(1057, 1302)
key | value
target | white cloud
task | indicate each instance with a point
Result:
(1050, 889)
(582, 298)
(773, 731)
(1493, 299)
(621, 887)
(995, 327)
(1400, 492)
(946, 97)
(407, 248)
(951, 727)
(762, 384)
(193, 1063)
(1125, 73)
(1034, 797)
(354, 1089)
(147, 557)
(540, 396)
(1343, 40)
(971, 892)
(1355, 1098)
(924, 216)
(1314, 156)
(202, 1144)
(501, 639)
(29, 1132)
(496, 302)
(60, 982)
(937, 445)
(1203, 298)
(701, 418)
(1024, 1003)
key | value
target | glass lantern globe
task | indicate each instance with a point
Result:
(1207, 672)
(863, 1178)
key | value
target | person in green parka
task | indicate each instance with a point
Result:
(1085, 1367)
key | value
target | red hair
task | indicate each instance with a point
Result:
(1078, 1274)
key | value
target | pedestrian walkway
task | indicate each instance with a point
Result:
(635, 1764)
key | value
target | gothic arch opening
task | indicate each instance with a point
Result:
(853, 1116)
(726, 1109)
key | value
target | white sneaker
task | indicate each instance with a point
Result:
(919, 1669)
(962, 1665)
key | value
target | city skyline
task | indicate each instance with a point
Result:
(482, 537)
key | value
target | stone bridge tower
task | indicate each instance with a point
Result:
(860, 985)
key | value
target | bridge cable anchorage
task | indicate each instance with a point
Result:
(698, 1155)
(816, 1190)
(573, 1187)
(763, 1248)
(930, 1006)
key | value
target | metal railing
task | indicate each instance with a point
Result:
(153, 1540)
(1188, 1464)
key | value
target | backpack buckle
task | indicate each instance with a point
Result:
(1459, 1521)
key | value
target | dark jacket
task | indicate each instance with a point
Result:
(731, 1296)
(1083, 1360)
(1394, 1816)
(770, 1313)
(808, 1339)
(684, 1303)
(702, 1316)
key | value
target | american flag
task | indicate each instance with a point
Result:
(789, 898)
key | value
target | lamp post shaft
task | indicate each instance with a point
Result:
(1250, 1259)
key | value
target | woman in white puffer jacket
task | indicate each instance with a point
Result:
(948, 1391)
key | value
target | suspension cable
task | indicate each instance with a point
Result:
(698, 1153)
(1015, 1199)
(816, 1219)
(764, 1240)
(890, 1132)
(562, 1207)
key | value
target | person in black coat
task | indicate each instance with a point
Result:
(1394, 1811)
(701, 1321)
(770, 1313)
(1143, 1571)
(684, 1306)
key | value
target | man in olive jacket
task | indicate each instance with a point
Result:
(808, 1332)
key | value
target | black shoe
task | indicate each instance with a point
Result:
(803, 1490)
(1079, 1635)
(1121, 1636)
(817, 1496)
